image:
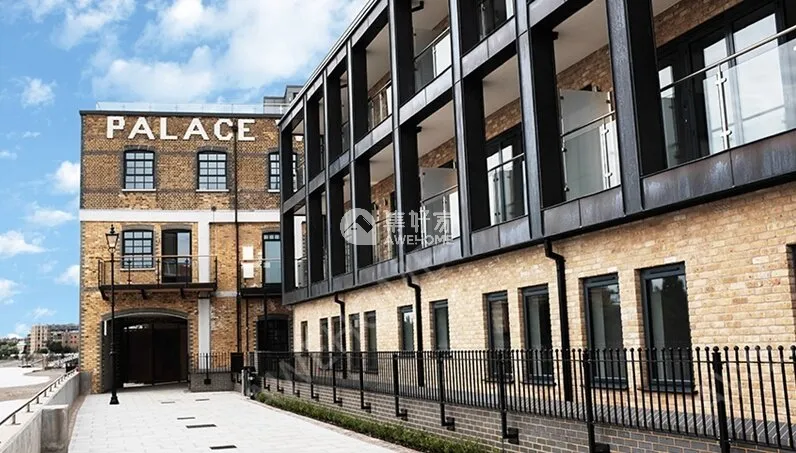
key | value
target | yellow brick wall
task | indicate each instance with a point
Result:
(175, 166)
(741, 288)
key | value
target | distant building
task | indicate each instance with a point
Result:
(39, 337)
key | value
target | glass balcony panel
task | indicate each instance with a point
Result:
(750, 97)
(433, 60)
(492, 14)
(301, 272)
(272, 269)
(383, 239)
(507, 189)
(591, 158)
(440, 215)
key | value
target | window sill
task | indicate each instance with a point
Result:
(139, 190)
(138, 269)
(539, 381)
(273, 190)
(666, 388)
(212, 190)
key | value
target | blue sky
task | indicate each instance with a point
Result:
(60, 56)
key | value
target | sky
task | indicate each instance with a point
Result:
(60, 56)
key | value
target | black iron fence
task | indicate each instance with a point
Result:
(210, 362)
(739, 395)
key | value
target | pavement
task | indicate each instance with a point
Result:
(159, 419)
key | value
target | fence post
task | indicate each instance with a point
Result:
(279, 387)
(587, 388)
(335, 399)
(721, 405)
(362, 404)
(400, 413)
(313, 395)
(448, 422)
(509, 434)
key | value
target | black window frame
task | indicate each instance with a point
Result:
(485, 32)
(490, 299)
(324, 339)
(138, 259)
(371, 342)
(538, 358)
(271, 236)
(274, 172)
(148, 156)
(402, 312)
(681, 363)
(678, 53)
(494, 145)
(606, 355)
(435, 308)
(355, 340)
(199, 169)
(304, 336)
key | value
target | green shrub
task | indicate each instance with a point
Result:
(397, 434)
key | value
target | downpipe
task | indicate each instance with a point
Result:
(341, 303)
(561, 282)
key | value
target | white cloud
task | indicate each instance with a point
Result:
(40, 312)
(30, 134)
(21, 329)
(47, 266)
(223, 44)
(36, 92)
(8, 289)
(13, 336)
(14, 243)
(7, 155)
(81, 18)
(67, 177)
(71, 276)
(48, 217)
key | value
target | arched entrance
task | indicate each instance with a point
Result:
(151, 348)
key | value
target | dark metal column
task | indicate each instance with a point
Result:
(334, 213)
(333, 115)
(315, 227)
(540, 106)
(637, 95)
(533, 189)
(357, 92)
(471, 144)
(360, 186)
(405, 162)
(286, 155)
(456, 26)
(312, 137)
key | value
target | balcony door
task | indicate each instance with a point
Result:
(176, 251)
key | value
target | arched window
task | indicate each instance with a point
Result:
(212, 170)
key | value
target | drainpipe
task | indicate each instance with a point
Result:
(419, 329)
(566, 362)
(341, 303)
(237, 235)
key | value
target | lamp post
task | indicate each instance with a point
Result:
(112, 237)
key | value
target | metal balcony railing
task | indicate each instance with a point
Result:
(263, 273)
(746, 98)
(150, 270)
(433, 60)
(590, 155)
(440, 217)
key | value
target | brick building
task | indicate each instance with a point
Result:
(197, 268)
(602, 174)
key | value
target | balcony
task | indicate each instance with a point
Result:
(433, 60)
(440, 217)
(261, 278)
(153, 274)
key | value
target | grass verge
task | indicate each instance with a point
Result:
(389, 432)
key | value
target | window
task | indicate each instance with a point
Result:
(337, 339)
(176, 261)
(356, 347)
(492, 14)
(137, 249)
(372, 364)
(139, 170)
(441, 327)
(499, 332)
(212, 170)
(304, 328)
(272, 258)
(538, 334)
(667, 325)
(604, 316)
(324, 342)
(274, 172)
(506, 176)
(406, 318)
(702, 117)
